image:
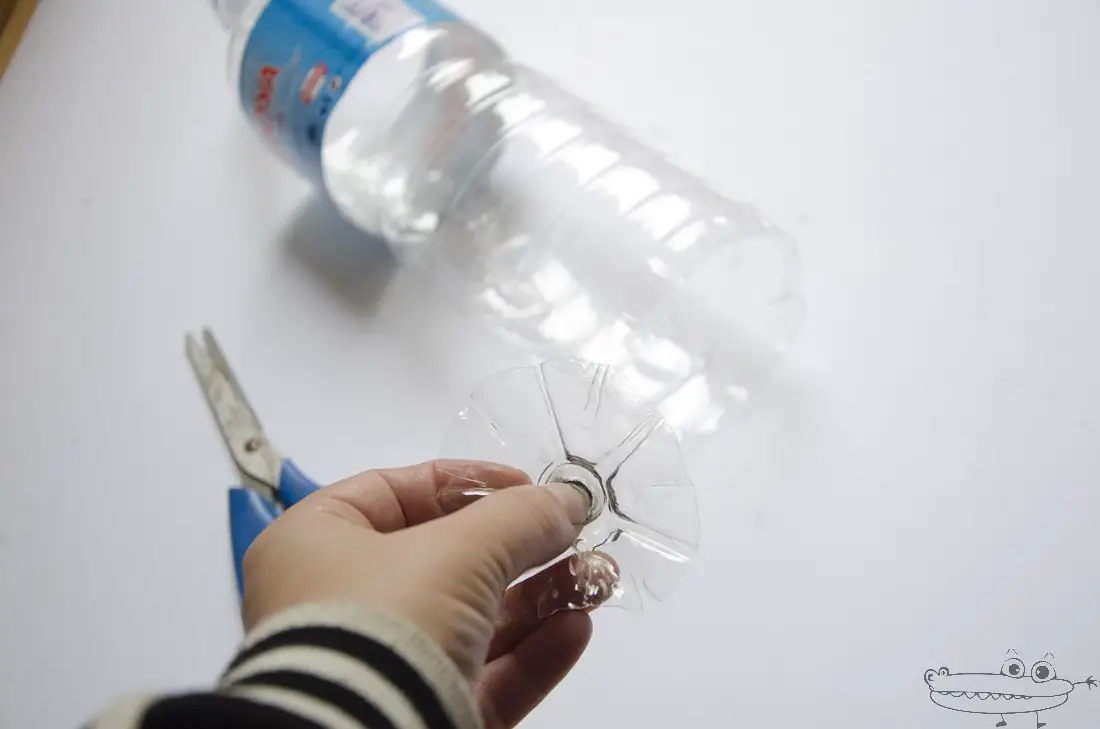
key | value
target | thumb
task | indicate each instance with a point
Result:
(521, 527)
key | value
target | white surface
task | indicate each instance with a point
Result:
(920, 490)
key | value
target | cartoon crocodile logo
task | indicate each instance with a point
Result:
(1014, 690)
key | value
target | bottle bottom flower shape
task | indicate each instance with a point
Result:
(578, 422)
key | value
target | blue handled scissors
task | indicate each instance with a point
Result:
(270, 483)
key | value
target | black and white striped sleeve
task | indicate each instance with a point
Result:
(321, 667)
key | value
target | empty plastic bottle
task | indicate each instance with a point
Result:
(572, 237)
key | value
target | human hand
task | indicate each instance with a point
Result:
(386, 540)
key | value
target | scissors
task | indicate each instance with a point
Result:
(269, 483)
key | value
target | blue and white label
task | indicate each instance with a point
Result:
(302, 54)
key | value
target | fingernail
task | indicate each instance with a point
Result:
(574, 498)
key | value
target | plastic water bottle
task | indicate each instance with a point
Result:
(568, 234)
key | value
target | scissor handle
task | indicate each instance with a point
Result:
(250, 513)
(293, 484)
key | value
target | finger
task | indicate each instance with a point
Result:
(579, 582)
(515, 683)
(517, 528)
(396, 498)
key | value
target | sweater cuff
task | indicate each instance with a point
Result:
(339, 664)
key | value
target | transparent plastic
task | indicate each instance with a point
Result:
(577, 422)
(569, 236)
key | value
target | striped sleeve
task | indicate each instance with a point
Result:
(321, 667)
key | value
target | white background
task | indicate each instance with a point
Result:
(918, 489)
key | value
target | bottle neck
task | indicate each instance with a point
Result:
(230, 12)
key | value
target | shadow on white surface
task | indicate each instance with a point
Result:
(355, 266)
(378, 312)
(759, 447)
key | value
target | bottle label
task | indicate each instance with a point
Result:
(301, 55)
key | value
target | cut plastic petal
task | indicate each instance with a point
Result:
(582, 422)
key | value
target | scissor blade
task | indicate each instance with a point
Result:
(239, 425)
(217, 357)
